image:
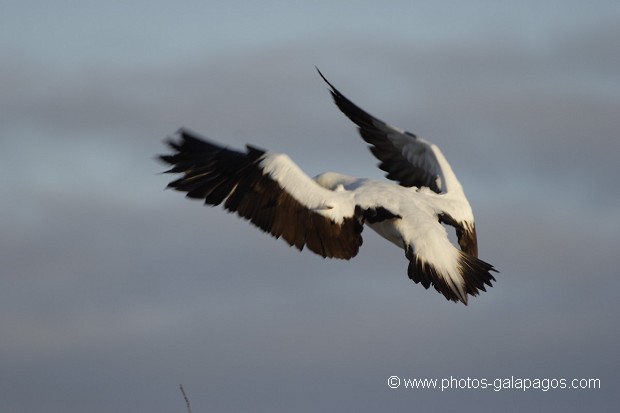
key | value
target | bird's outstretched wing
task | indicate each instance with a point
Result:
(270, 191)
(407, 158)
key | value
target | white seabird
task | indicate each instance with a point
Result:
(326, 213)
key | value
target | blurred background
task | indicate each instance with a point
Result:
(113, 291)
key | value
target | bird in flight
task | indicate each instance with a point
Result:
(327, 213)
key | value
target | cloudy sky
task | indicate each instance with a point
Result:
(113, 291)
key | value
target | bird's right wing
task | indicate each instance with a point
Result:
(407, 159)
(433, 260)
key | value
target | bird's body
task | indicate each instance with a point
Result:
(326, 213)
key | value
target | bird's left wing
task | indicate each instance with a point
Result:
(270, 191)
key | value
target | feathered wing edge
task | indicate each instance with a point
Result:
(407, 159)
(218, 174)
(474, 272)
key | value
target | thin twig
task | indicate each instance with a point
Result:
(189, 406)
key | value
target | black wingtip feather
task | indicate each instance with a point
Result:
(360, 117)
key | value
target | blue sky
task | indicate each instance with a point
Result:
(114, 291)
